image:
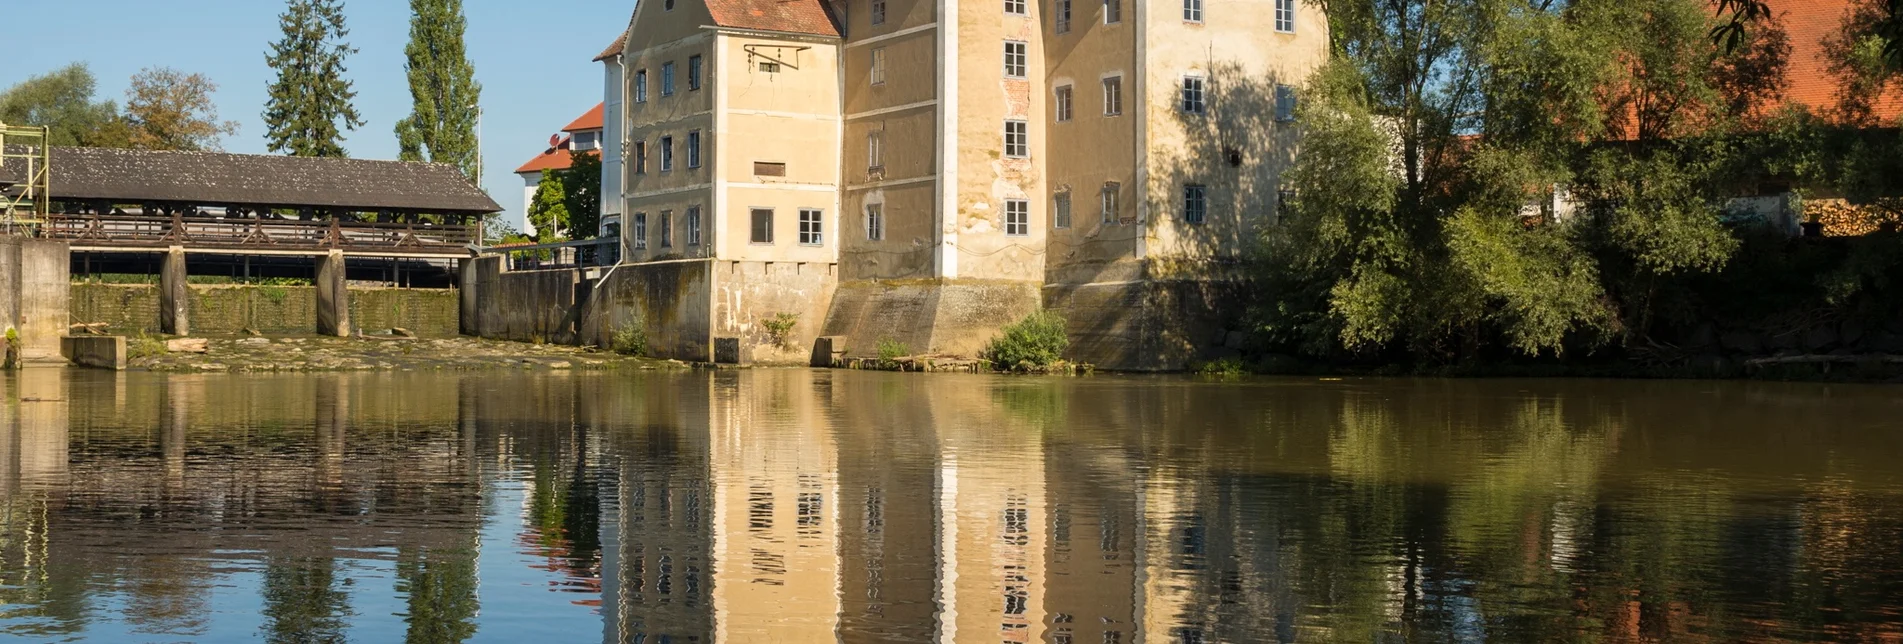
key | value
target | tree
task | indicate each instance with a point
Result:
(310, 102)
(582, 183)
(548, 211)
(441, 127)
(170, 110)
(62, 101)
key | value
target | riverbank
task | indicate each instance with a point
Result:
(375, 353)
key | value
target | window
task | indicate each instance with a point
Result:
(1014, 7)
(769, 67)
(878, 12)
(693, 148)
(875, 221)
(640, 157)
(1193, 95)
(1192, 10)
(1285, 16)
(1060, 210)
(1014, 59)
(1284, 103)
(1195, 203)
(1113, 96)
(1017, 217)
(1112, 11)
(667, 229)
(1285, 204)
(769, 169)
(1063, 16)
(667, 154)
(812, 224)
(693, 73)
(669, 5)
(877, 73)
(640, 86)
(640, 231)
(875, 149)
(762, 226)
(1063, 103)
(693, 225)
(1110, 214)
(667, 78)
(1017, 139)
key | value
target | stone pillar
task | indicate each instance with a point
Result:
(466, 296)
(175, 298)
(333, 296)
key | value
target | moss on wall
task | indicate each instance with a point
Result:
(277, 310)
(425, 312)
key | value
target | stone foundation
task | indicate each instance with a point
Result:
(35, 291)
(956, 317)
(1148, 325)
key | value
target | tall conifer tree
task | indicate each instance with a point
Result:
(441, 126)
(310, 104)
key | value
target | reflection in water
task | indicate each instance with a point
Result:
(810, 506)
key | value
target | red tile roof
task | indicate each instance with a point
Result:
(555, 158)
(790, 16)
(621, 42)
(589, 121)
(1808, 79)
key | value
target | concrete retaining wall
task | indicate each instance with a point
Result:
(671, 301)
(937, 316)
(35, 282)
(526, 306)
(98, 351)
(746, 294)
(430, 313)
(289, 310)
(1147, 325)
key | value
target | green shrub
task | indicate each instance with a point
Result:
(1222, 367)
(780, 327)
(144, 346)
(630, 340)
(12, 350)
(891, 350)
(1038, 340)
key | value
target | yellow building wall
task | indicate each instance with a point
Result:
(986, 177)
(904, 111)
(1092, 148)
(660, 36)
(790, 117)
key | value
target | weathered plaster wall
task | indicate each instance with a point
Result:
(662, 36)
(938, 316)
(671, 301)
(986, 176)
(748, 293)
(903, 111)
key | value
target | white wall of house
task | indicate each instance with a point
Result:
(530, 181)
(612, 89)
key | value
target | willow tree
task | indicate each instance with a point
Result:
(310, 108)
(441, 127)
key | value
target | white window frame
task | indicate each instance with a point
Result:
(878, 12)
(1060, 209)
(875, 150)
(641, 86)
(876, 70)
(640, 231)
(875, 222)
(1017, 58)
(694, 70)
(1112, 11)
(693, 225)
(667, 154)
(641, 156)
(667, 229)
(1113, 96)
(1016, 7)
(1017, 218)
(693, 149)
(1285, 103)
(1017, 139)
(1195, 95)
(1109, 199)
(1195, 203)
(1193, 11)
(1064, 101)
(1063, 16)
(667, 78)
(812, 227)
(1285, 16)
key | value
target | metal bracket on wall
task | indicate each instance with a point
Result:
(776, 56)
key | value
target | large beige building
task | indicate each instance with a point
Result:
(927, 171)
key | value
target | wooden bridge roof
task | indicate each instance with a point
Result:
(216, 178)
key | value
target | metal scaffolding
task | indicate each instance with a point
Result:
(26, 177)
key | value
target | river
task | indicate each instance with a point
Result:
(839, 506)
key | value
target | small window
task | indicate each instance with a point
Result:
(1017, 217)
(640, 157)
(1112, 11)
(640, 231)
(640, 86)
(875, 222)
(1192, 10)
(1014, 7)
(1015, 58)
(769, 169)
(667, 78)
(1284, 103)
(1060, 210)
(1195, 203)
(878, 12)
(812, 227)
(877, 73)
(667, 154)
(667, 229)
(1285, 204)
(1113, 96)
(693, 148)
(1285, 16)
(1063, 16)
(875, 149)
(668, 5)
(693, 225)
(1062, 103)
(1110, 213)
(693, 73)
(762, 226)
(1017, 139)
(769, 67)
(1193, 101)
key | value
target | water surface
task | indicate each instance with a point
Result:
(831, 506)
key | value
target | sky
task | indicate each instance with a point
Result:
(534, 60)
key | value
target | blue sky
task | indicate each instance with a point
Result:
(532, 58)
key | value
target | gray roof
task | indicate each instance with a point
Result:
(216, 178)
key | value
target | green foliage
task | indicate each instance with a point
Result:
(548, 211)
(167, 109)
(629, 340)
(144, 346)
(310, 101)
(891, 350)
(780, 327)
(63, 102)
(1038, 340)
(12, 349)
(581, 186)
(441, 127)
(1227, 367)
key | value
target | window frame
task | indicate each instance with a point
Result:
(1060, 209)
(641, 156)
(812, 227)
(1112, 12)
(1061, 21)
(1017, 217)
(875, 150)
(875, 68)
(1286, 102)
(667, 79)
(1193, 11)
(667, 229)
(878, 12)
(694, 72)
(1110, 199)
(1195, 203)
(667, 154)
(693, 226)
(693, 149)
(1023, 54)
(1113, 95)
(1064, 103)
(875, 222)
(754, 228)
(1284, 16)
(1017, 7)
(1194, 95)
(641, 85)
(640, 231)
(1023, 136)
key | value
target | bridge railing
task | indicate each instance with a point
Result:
(255, 234)
(580, 253)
